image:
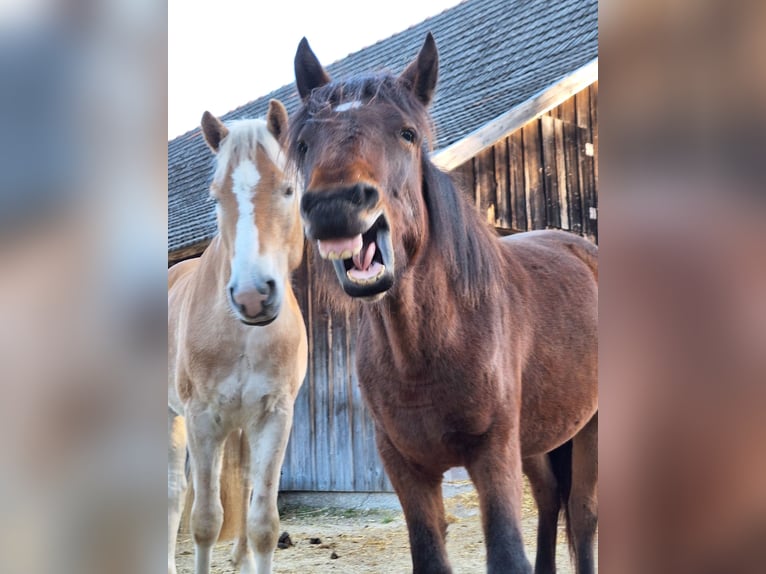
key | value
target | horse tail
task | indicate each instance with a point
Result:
(561, 465)
(233, 475)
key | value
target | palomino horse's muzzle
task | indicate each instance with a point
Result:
(257, 305)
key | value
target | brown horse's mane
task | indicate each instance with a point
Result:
(466, 243)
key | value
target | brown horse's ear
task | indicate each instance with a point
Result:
(276, 119)
(309, 73)
(214, 131)
(420, 76)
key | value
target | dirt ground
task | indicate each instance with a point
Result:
(375, 541)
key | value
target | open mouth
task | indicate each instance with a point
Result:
(364, 263)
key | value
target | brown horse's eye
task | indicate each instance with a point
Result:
(289, 191)
(408, 135)
(302, 147)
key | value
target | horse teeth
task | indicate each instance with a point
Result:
(367, 280)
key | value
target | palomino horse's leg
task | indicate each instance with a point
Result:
(206, 439)
(241, 555)
(268, 442)
(176, 482)
(496, 473)
(420, 494)
(583, 499)
(545, 490)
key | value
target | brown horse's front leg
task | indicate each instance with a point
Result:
(496, 473)
(420, 494)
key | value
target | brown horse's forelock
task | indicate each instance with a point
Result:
(369, 89)
(467, 245)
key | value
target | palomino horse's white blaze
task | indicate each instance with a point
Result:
(225, 374)
(245, 178)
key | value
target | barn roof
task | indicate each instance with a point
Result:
(501, 63)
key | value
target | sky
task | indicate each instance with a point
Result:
(225, 53)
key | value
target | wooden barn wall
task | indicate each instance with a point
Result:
(539, 177)
(332, 442)
(544, 175)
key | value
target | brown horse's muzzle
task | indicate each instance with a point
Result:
(340, 212)
(351, 229)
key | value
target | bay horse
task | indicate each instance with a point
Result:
(237, 349)
(471, 351)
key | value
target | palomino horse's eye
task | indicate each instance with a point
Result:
(408, 135)
(288, 190)
(302, 147)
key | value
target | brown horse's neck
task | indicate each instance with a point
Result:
(423, 318)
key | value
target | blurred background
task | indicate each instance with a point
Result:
(682, 340)
(83, 122)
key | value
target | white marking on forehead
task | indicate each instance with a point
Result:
(345, 106)
(244, 179)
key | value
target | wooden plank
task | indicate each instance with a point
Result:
(587, 181)
(362, 482)
(572, 163)
(322, 325)
(486, 200)
(594, 130)
(567, 111)
(550, 173)
(502, 185)
(533, 176)
(513, 119)
(561, 171)
(516, 181)
(187, 252)
(341, 451)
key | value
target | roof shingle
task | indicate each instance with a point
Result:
(493, 55)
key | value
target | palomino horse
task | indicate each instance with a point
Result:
(237, 348)
(471, 351)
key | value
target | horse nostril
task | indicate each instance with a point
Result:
(363, 195)
(271, 293)
(369, 196)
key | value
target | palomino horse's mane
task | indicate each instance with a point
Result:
(239, 143)
(467, 244)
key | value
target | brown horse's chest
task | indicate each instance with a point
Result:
(432, 417)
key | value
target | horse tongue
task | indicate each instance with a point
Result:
(369, 253)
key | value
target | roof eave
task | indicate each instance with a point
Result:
(503, 125)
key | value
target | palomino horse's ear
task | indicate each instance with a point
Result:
(309, 73)
(214, 131)
(276, 119)
(421, 74)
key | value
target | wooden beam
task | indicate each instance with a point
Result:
(505, 124)
(187, 252)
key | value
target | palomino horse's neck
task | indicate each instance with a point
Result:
(213, 273)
